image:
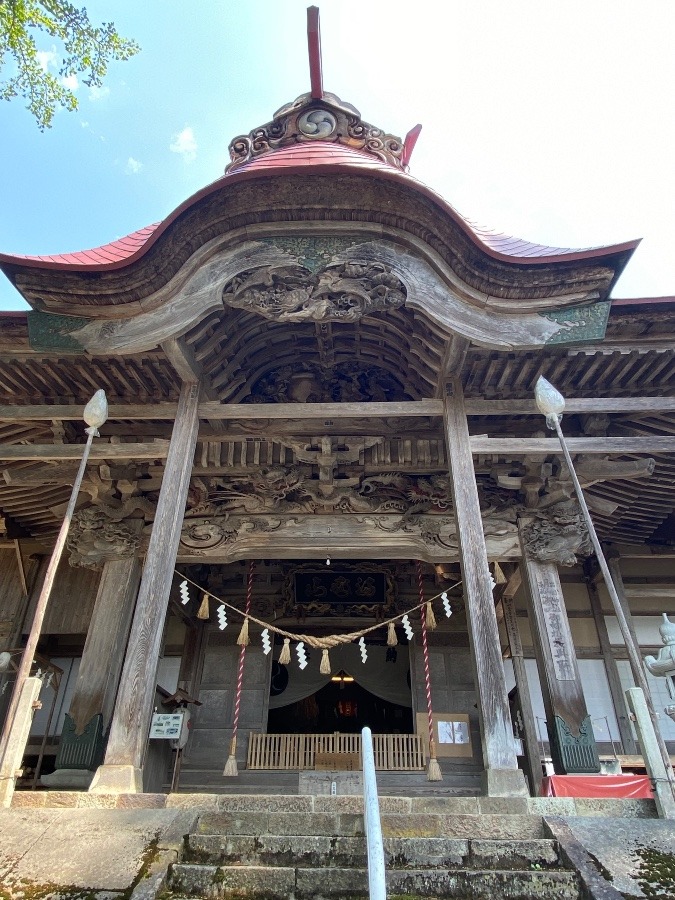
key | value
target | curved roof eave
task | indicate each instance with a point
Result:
(305, 160)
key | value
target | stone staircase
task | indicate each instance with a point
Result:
(296, 847)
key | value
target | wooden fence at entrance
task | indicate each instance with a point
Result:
(393, 752)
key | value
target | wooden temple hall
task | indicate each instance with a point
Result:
(324, 496)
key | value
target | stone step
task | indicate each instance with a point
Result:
(303, 851)
(289, 883)
(339, 823)
(458, 784)
(395, 805)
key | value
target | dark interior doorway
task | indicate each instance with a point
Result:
(345, 708)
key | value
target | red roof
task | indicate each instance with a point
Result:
(321, 156)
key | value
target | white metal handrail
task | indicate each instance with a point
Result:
(377, 886)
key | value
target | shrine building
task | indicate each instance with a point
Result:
(322, 439)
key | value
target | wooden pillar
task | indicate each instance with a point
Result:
(569, 724)
(502, 776)
(614, 564)
(529, 726)
(91, 708)
(611, 668)
(122, 770)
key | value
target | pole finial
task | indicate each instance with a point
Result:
(314, 49)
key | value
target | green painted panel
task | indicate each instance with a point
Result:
(582, 323)
(314, 253)
(50, 332)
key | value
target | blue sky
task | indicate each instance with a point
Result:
(550, 121)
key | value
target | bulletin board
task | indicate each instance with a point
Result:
(452, 734)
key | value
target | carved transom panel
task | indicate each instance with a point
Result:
(341, 293)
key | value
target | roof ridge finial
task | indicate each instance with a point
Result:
(314, 49)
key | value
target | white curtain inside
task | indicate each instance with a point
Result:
(386, 680)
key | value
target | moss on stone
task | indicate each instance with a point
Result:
(656, 873)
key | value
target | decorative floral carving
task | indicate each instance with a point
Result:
(342, 293)
(93, 539)
(306, 119)
(202, 535)
(558, 534)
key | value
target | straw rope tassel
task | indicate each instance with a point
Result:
(324, 668)
(203, 611)
(285, 655)
(392, 640)
(434, 770)
(231, 769)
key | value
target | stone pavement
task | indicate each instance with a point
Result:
(102, 853)
(619, 846)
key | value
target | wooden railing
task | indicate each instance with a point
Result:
(393, 752)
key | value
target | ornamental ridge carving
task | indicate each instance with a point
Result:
(306, 120)
(558, 534)
(93, 539)
(341, 293)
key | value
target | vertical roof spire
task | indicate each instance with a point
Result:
(314, 49)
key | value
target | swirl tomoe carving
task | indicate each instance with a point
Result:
(305, 120)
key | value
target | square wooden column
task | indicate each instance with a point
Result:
(569, 726)
(122, 770)
(502, 776)
(97, 683)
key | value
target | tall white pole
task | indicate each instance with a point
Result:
(551, 403)
(94, 420)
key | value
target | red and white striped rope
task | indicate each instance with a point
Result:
(425, 653)
(242, 654)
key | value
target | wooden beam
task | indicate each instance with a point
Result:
(182, 358)
(481, 444)
(211, 409)
(71, 413)
(479, 407)
(453, 361)
(157, 450)
(513, 584)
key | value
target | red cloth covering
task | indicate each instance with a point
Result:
(635, 787)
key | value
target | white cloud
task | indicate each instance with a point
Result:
(133, 166)
(98, 93)
(70, 82)
(46, 58)
(185, 144)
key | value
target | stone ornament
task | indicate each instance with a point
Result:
(94, 539)
(342, 293)
(304, 120)
(664, 664)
